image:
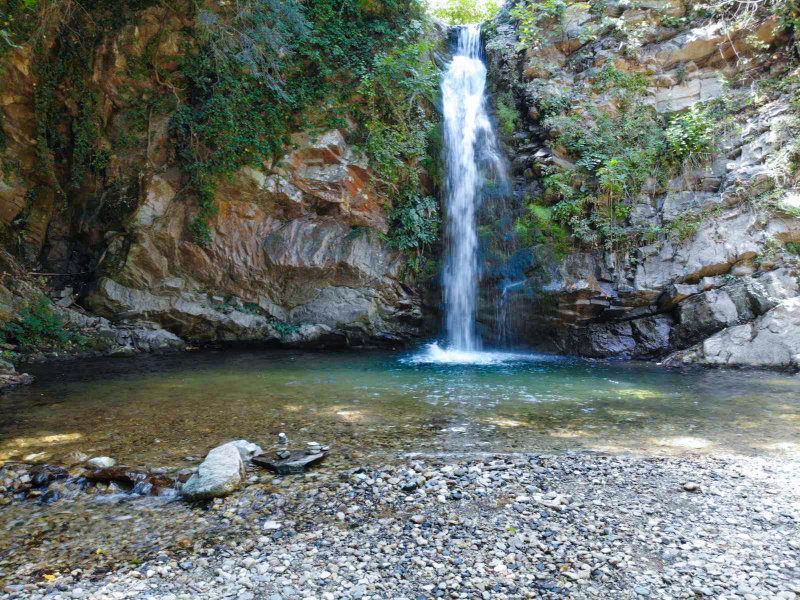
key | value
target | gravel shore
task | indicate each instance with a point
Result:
(522, 526)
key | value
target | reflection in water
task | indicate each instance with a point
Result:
(157, 409)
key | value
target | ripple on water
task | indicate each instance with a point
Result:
(435, 354)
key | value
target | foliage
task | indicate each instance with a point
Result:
(689, 134)
(398, 95)
(263, 66)
(540, 226)
(616, 150)
(259, 34)
(414, 225)
(507, 114)
(533, 16)
(461, 12)
(40, 327)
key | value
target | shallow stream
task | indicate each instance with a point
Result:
(155, 410)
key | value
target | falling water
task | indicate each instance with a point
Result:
(469, 141)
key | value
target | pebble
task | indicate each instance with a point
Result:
(577, 526)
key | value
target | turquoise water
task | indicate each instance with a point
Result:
(154, 410)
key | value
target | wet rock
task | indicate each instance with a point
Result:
(247, 450)
(75, 458)
(101, 462)
(297, 462)
(131, 481)
(221, 473)
(43, 475)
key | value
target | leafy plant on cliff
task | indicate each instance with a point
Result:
(537, 19)
(507, 114)
(414, 225)
(261, 35)
(262, 67)
(40, 327)
(616, 149)
(397, 120)
(689, 134)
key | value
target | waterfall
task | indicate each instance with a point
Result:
(470, 141)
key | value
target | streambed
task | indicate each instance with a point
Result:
(156, 410)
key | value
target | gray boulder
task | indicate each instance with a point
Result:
(220, 474)
(771, 341)
(247, 450)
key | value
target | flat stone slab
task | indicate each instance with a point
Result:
(297, 462)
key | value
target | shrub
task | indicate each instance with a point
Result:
(40, 327)
(414, 224)
(689, 134)
(507, 114)
(532, 16)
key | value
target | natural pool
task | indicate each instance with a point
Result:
(154, 410)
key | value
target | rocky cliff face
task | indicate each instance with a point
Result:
(708, 263)
(294, 252)
(294, 256)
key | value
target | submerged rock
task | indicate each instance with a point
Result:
(101, 462)
(219, 474)
(44, 475)
(295, 462)
(135, 482)
(75, 458)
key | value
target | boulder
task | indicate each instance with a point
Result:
(247, 450)
(220, 474)
(771, 341)
(741, 301)
(705, 314)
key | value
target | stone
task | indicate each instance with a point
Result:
(247, 450)
(296, 462)
(221, 473)
(771, 341)
(101, 462)
(44, 475)
(691, 486)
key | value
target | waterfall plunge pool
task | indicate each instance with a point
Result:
(155, 410)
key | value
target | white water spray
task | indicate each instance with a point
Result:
(469, 138)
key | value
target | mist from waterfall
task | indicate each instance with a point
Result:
(470, 140)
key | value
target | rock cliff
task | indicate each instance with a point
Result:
(149, 234)
(697, 255)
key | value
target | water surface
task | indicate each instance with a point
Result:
(155, 410)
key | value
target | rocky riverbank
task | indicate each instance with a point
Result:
(516, 526)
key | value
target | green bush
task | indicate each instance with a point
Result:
(615, 153)
(414, 224)
(39, 327)
(538, 226)
(507, 114)
(689, 134)
(532, 18)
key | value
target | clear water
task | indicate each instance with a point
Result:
(154, 410)
(469, 141)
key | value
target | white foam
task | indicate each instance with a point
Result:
(435, 354)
